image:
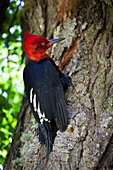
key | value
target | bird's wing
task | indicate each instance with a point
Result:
(65, 81)
(45, 93)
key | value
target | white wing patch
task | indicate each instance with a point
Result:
(31, 95)
(34, 103)
(41, 116)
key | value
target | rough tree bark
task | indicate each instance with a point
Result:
(86, 56)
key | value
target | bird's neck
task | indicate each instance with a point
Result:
(37, 57)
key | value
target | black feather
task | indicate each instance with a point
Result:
(48, 85)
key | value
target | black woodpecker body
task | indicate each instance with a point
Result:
(45, 85)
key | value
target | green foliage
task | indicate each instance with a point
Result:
(11, 72)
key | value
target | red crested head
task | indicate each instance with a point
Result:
(36, 46)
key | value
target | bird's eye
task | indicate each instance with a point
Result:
(43, 43)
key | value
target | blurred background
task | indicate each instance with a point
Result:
(11, 72)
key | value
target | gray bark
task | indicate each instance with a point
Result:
(86, 56)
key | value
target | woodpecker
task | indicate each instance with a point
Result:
(45, 86)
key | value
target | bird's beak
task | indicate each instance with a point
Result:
(52, 41)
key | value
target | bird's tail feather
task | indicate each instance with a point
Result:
(49, 147)
(46, 138)
(42, 134)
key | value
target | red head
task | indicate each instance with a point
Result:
(36, 46)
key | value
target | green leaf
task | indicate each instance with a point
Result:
(4, 103)
(11, 81)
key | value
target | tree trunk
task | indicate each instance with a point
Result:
(86, 56)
